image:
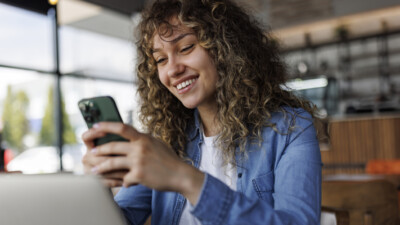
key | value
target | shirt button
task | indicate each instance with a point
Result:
(240, 175)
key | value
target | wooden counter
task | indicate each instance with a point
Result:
(355, 141)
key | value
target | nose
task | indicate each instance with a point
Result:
(175, 67)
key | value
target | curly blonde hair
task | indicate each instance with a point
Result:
(249, 67)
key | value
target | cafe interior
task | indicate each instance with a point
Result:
(344, 56)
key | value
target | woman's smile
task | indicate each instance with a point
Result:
(186, 85)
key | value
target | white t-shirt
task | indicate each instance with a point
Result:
(211, 162)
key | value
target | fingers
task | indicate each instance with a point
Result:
(89, 135)
(112, 182)
(125, 131)
(112, 148)
(112, 164)
(131, 178)
(115, 183)
(90, 160)
(114, 179)
(116, 175)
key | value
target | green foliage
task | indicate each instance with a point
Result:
(68, 133)
(47, 131)
(7, 115)
(47, 134)
(14, 118)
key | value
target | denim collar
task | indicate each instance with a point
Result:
(194, 129)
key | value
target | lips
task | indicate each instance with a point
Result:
(186, 85)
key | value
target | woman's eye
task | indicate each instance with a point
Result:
(187, 48)
(160, 60)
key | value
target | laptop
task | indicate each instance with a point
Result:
(56, 199)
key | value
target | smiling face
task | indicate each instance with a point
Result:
(185, 67)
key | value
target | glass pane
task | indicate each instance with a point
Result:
(24, 108)
(25, 39)
(327, 60)
(292, 59)
(74, 89)
(394, 57)
(88, 53)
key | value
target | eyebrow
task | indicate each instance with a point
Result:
(172, 41)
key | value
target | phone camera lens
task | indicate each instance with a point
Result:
(84, 107)
(89, 119)
(95, 112)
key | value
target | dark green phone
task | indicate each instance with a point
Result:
(100, 109)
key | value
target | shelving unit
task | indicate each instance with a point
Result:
(366, 70)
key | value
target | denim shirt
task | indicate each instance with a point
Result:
(278, 182)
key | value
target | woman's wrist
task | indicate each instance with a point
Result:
(190, 183)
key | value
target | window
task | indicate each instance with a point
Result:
(23, 103)
(91, 64)
(25, 36)
(95, 55)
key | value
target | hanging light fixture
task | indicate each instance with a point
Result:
(53, 2)
(302, 84)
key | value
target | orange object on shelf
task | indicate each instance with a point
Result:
(389, 166)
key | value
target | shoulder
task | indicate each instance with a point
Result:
(291, 119)
(295, 134)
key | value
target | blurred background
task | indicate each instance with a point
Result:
(342, 55)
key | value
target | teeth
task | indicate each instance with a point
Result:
(185, 83)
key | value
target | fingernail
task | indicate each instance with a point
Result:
(94, 170)
(95, 126)
(94, 150)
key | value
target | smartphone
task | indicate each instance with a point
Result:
(100, 109)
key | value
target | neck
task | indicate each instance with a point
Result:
(209, 120)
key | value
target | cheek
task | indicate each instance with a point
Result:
(212, 72)
(208, 63)
(163, 78)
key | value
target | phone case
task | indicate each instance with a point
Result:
(100, 109)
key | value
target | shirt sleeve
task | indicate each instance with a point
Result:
(296, 194)
(135, 203)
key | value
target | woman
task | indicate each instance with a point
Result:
(225, 144)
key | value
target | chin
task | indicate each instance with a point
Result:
(190, 106)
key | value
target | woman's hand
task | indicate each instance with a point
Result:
(90, 160)
(144, 159)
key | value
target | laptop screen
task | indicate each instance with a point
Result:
(59, 199)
